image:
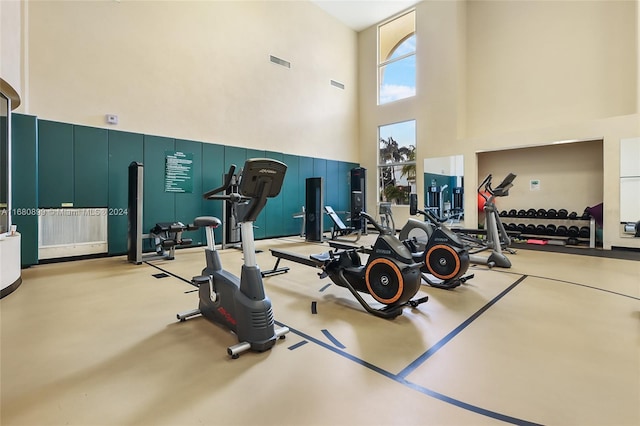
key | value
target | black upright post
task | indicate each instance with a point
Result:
(359, 184)
(134, 212)
(314, 204)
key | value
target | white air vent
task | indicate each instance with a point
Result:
(71, 232)
(279, 61)
(337, 84)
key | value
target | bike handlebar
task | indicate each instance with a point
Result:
(210, 195)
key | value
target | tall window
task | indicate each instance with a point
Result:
(397, 59)
(397, 161)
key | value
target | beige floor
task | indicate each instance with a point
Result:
(555, 340)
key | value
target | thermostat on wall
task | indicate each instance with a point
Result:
(112, 119)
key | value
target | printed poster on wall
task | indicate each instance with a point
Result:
(178, 172)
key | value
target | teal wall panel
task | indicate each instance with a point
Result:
(260, 228)
(24, 184)
(158, 205)
(213, 168)
(332, 185)
(55, 163)
(255, 153)
(124, 148)
(189, 205)
(291, 201)
(274, 220)
(320, 167)
(234, 155)
(90, 167)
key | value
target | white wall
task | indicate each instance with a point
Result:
(10, 43)
(540, 63)
(198, 70)
(436, 107)
(570, 175)
(494, 75)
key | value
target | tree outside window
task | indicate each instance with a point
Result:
(397, 162)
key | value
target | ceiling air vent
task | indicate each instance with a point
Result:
(279, 61)
(337, 84)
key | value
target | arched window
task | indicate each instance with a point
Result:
(397, 59)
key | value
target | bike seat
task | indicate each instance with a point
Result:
(322, 257)
(207, 221)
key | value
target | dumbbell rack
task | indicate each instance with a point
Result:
(546, 221)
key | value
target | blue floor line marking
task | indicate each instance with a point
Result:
(338, 351)
(587, 286)
(435, 348)
(325, 287)
(333, 339)
(297, 345)
(411, 385)
(169, 273)
(466, 406)
(572, 283)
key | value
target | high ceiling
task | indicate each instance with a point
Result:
(361, 14)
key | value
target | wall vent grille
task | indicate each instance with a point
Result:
(337, 84)
(279, 61)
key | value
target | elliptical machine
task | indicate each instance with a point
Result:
(240, 304)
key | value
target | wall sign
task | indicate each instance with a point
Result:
(534, 185)
(178, 172)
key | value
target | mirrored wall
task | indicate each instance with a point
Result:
(443, 186)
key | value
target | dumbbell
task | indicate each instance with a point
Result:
(562, 231)
(573, 231)
(551, 229)
(584, 232)
(552, 213)
(562, 214)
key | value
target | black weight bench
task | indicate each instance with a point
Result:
(339, 229)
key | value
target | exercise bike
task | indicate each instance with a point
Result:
(390, 275)
(240, 304)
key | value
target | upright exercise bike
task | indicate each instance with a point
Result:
(240, 304)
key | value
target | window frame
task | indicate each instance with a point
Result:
(382, 63)
(411, 181)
